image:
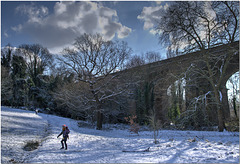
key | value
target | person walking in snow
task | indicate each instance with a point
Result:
(65, 132)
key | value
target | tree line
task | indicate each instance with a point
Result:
(83, 82)
(75, 84)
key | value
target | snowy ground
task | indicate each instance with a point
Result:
(92, 146)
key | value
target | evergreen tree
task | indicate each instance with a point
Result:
(6, 89)
(6, 56)
(176, 100)
(38, 60)
(6, 80)
(144, 103)
(19, 83)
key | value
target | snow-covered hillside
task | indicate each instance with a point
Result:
(18, 127)
(107, 146)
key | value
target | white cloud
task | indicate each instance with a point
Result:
(6, 34)
(154, 32)
(34, 13)
(151, 15)
(17, 28)
(69, 20)
(124, 32)
(60, 8)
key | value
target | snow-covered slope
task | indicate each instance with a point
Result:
(17, 128)
(93, 146)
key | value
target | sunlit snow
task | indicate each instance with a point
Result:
(88, 145)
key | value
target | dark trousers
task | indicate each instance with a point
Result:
(65, 142)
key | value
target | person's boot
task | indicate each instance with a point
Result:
(62, 145)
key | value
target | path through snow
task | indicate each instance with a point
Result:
(106, 146)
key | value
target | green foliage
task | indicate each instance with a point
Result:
(140, 106)
(23, 83)
(19, 67)
(6, 89)
(174, 112)
(144, 103)
(20, 87)
(6, 57)
(176, 101)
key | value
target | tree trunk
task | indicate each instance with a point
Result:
(99, 119)
(99, 116)
(220, 120)
(99, 107)
(234, 106)
(226, 110)
(219, 112)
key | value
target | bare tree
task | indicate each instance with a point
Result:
(94, 60)
(173, 52)
(227, 18)
(211, 70)
(152, 56)
(138, 60)
(72, 97)
(196, 25)
(135, 61)
(154, 123)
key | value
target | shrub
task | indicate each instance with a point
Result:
(155, 124)
(134, 126)
(31, 145)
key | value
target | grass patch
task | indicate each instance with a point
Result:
(31, 145)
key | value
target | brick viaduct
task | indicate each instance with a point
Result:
(164, 73)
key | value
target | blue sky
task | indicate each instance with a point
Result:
(55, 25)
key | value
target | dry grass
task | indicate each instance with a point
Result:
(31, 145)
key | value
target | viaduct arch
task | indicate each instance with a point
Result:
(164, 73)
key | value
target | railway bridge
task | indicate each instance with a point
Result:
(223, 61)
